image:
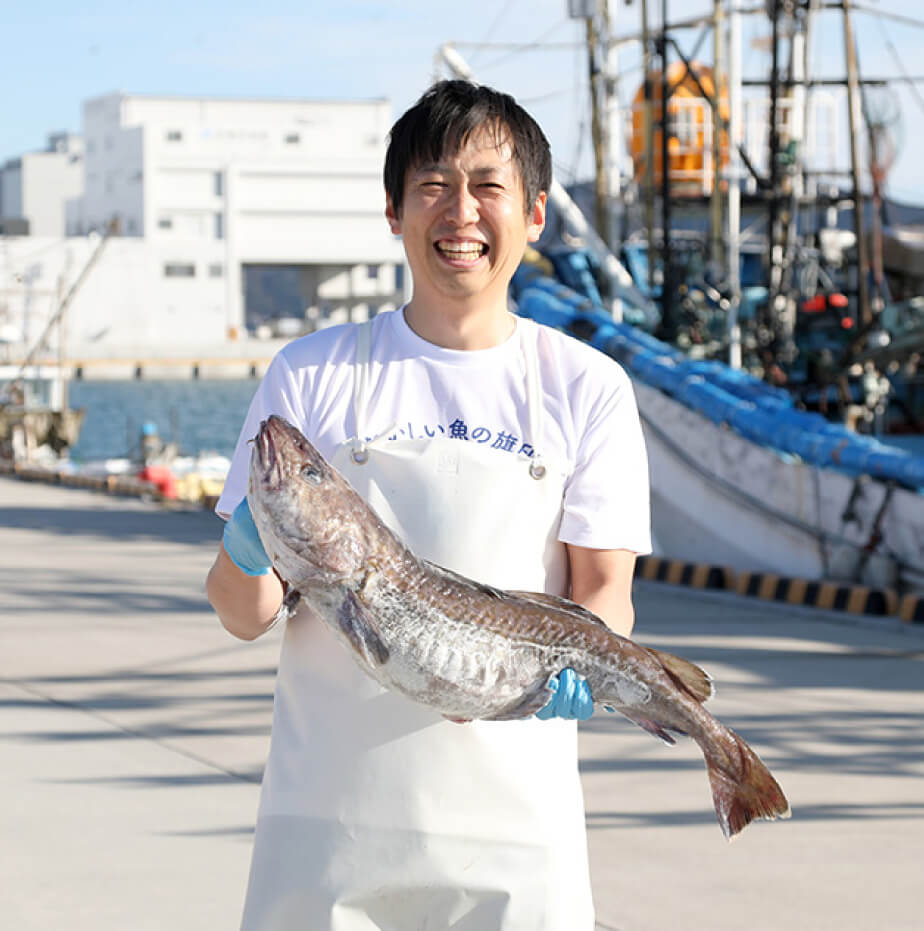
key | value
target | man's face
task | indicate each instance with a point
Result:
(464, 225)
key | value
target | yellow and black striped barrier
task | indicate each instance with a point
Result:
(827, 595)
(911, 609)
(832, 596)
(675, 572)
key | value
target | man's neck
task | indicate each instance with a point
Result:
(460, 326)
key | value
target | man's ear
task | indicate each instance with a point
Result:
(394, 223)
(535, 221)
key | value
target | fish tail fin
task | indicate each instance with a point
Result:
(742, 787)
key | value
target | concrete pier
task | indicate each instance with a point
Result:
(133, 732)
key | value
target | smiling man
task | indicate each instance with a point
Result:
(495, 447)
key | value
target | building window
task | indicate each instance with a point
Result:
(218, 184)
(292, 138)
(165, 223)
(216, 270)
(372, 271)
(179, 270)
(219, 226)
(399, 277)
(174, 135)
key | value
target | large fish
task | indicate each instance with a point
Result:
(465, 649)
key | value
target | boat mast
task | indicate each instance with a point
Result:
(717, 244)
(648, 128)
(667, 278)
(734, 183)
(853, 122)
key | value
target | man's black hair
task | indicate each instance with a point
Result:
(443, 120)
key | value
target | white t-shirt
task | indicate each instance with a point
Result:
(591, 423)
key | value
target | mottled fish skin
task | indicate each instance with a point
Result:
(465, 649)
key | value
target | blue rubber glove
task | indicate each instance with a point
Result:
(572, 698)
(242, 542)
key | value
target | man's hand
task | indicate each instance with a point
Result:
(572, 698)
(242, 542)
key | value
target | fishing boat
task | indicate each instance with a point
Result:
(741, 476)
(36, 424)
(758, 462)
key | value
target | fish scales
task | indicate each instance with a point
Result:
(465, 649)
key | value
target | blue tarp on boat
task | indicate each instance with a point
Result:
(758, 411)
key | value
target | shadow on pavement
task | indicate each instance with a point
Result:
(130, 522)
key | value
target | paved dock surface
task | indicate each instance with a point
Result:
(133, 732)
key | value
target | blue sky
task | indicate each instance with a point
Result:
(58, 54)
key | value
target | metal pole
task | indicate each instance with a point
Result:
(773, 213)
(734, 183)
(667, 286)
(717, 250)
(853, 122)
(596, 129)
(649, 149)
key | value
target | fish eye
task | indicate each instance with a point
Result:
(311, 474)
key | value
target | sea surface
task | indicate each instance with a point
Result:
(199, 416)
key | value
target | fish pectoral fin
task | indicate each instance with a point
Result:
(357, 625)
(685, 675)
(528, 706)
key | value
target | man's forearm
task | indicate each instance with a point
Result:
(601, 581)
(245, 604)
(611, 604)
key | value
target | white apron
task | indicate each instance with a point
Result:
(376, 813)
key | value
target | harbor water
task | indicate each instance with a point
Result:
(200, 416)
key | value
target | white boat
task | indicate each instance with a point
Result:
(741, 479)
(721, 499)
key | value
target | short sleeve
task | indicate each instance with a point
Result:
(607, 496)
(278, 393)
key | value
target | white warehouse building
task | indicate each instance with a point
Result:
(226, 215)
(35, 187)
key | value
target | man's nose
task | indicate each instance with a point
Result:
(462, 208)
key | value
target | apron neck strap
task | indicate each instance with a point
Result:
(361, 384)
(529, 341)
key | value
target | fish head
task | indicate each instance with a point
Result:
(313, 525)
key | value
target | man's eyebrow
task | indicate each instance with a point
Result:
(429, 168)
(437, 168)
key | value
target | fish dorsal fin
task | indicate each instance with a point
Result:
(479, 587)
(685, 675)
(563, 604)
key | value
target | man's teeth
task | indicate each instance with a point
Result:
(465, 250)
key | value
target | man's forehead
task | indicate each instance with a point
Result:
(480, 154)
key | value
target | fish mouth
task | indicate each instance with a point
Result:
(267, 458)
(280, 449)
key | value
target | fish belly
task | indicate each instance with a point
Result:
(455, 667)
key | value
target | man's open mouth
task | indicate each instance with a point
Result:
(461, 250)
